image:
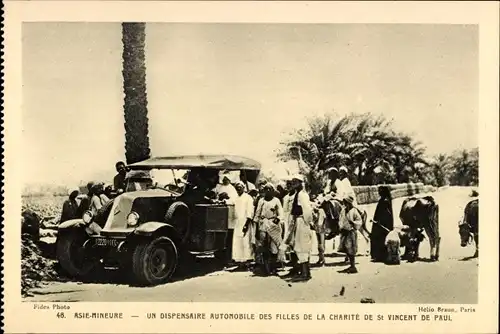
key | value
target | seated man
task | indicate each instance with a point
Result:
(198, 189)
(226, 188)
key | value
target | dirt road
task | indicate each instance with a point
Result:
(454, 279)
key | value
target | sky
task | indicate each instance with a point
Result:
(238, 88)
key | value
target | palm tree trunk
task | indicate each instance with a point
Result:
(134, 86)
(360, 174)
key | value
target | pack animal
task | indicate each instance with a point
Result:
(468, 227)
(421, 214)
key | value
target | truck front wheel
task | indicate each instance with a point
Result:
(154, 261)
(72, 256)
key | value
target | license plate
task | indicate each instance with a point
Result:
(106, 242)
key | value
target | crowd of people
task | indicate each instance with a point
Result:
(274, 225)
(98, 194)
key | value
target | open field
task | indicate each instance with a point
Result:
(44, 206)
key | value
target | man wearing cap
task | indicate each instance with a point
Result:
(243, 209)
(268, 215)
(333, 185)
(70, 206)
(299, 237)
(226, 188)
(348, 234)
(346, 185)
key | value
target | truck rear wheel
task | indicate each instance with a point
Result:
(154, 261)
(72, 256)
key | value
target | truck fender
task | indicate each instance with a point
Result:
(74, 224)
(150, 228)
(69, 224)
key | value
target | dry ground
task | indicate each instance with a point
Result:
(454, 279)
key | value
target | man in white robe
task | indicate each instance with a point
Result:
(243, 211)
(287, 205)
(300, 236)
(226, 187)
(334, 184)
(346, 187)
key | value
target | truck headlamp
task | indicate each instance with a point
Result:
(87, 217)
(132, 218)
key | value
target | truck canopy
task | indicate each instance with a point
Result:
(220, 162)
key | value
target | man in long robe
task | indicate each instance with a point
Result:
(243, 211)
(287, 205)
(268, 216)
(300, 237)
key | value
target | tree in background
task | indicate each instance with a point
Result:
(321, 143)
(134, 86)
(465, 168)
(440, 170)
(365, 143)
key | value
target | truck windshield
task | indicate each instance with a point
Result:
(167, 179)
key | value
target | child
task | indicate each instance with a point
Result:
(393, 244)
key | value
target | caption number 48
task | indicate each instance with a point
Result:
(60, 315)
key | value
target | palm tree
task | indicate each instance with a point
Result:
(409, 156)
(371, 140)
(134, 86)
(360, 142)
(321, 143)
(465, 165)
(364, 143)
(440, 169)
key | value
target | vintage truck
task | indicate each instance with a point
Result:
(146, 229)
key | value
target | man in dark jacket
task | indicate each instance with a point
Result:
(85, 202)
(70, 206)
